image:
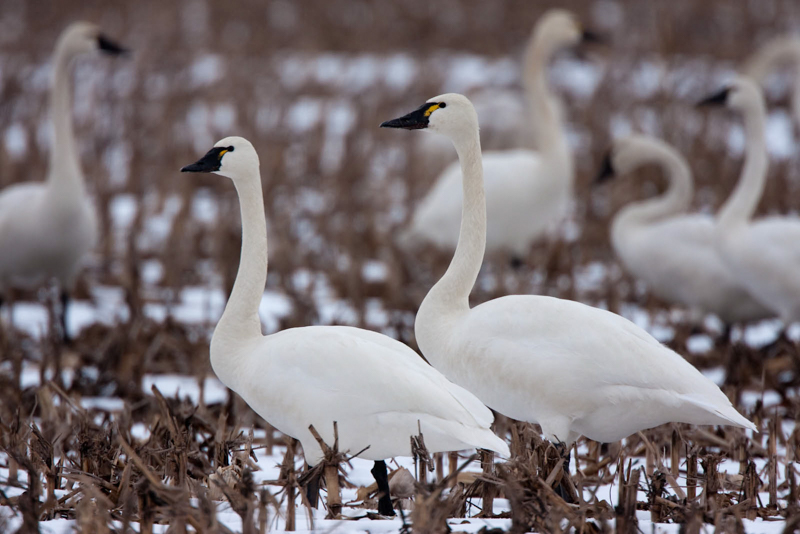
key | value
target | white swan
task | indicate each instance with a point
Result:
(377, 389)
(780, 51)
(571, 368)
(764, 254)
(47, 228)
(671, 250)
(527, 192)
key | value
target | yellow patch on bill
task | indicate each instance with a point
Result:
(222, 153)
(431, 109)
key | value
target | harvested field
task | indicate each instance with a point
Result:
(128, 430)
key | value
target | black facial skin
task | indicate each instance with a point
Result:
(211, 162)
(110, 47)
(606, 170)
(417, 119)
(717, 99)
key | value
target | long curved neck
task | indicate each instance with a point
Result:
(451, 292)
(742, 203)
(240, 320)
(676, 199)
(64, 174)
(550, 137)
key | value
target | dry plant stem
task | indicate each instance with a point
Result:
(691, 476)
(489, 490)
(331, 470)
(772, 463)
(287, 469)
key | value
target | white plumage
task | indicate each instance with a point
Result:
(671, 250)
(528, 192)
(782, 51)
(47, 228)
(571, 368)
(764, 254)
(379, 391)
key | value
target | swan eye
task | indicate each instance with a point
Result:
(443, 105)
(229, 149)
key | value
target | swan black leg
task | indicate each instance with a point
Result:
(382, 479)
(312, 490)
(64, 298)
(563, 490)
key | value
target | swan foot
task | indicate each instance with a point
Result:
(381, 476)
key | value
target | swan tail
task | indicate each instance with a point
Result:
(726, 413)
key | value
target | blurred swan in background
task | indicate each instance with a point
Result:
(783, 51)
(527, 192)
(671, 250)
(379, 391)
(47, 228)
(573, 369)
(764, 255)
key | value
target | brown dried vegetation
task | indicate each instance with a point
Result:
(196, 453)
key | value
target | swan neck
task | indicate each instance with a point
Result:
(675, 200)
(451, 292)
(240, 321)
(742, 203)
(64, 172)
(550, 137)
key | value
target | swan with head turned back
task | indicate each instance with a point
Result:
(378, 391)
(573, 369)
(780, 51)
(671, 250)
(764, 255)
(527, 192)
(47, 228)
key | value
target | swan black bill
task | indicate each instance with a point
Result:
(606, 170)
(717, 99)
(416, 120)
(110, 47)
(211, 162)
(590, 37)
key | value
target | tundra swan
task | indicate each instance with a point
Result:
(527, 191)
(666, 247)
(379, 391)
(764, 255)
(783, 50)
(47, 228)
(573, 369)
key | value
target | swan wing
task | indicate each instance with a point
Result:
(377, 389)
(564, 360)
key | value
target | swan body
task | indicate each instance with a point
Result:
(532, 189)
(780, 51)
(765, 254)
(379, 391)
(47, 228)
(571, 368)
(671, 250)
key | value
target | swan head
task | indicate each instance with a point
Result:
(740, 95)
(233, 157)
(561, 29)
(627, 154)
(84, 37)
(450, 114)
